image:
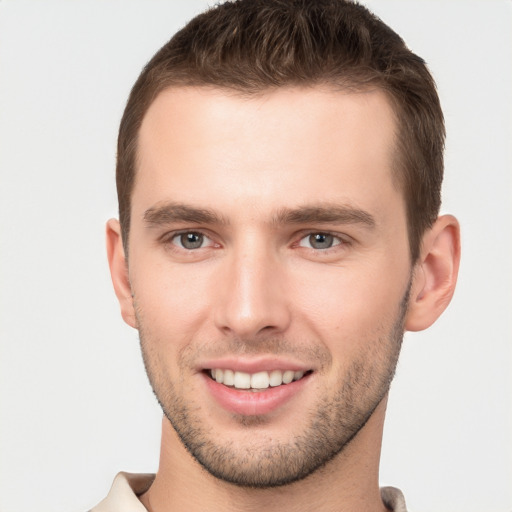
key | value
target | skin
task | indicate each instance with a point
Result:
(253, 179)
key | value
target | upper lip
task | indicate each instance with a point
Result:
(254, 364)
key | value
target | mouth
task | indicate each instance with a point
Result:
(256, 387)
(255, 382)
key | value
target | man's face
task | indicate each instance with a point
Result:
(268, 244)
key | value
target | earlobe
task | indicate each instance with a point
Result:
(119, 272)
(435, 274)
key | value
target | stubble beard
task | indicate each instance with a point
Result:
(330, 427)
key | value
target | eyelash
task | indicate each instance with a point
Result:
(338, 241)
(342, 240)
(168, 238)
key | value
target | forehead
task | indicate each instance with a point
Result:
(288, 145)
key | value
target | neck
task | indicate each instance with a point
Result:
(349, 482)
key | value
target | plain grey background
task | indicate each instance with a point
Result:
(75, 405)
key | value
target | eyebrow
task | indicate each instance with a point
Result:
(172, 212)
(325, 213)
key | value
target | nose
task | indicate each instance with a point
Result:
(252, 298)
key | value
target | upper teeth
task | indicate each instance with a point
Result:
(260, 380)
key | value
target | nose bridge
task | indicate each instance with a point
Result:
(253, 283)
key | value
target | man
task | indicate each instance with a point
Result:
(279, 173)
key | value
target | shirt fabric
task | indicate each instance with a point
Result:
(127, 486)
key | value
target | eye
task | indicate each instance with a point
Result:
(320, 241)
(190, 240)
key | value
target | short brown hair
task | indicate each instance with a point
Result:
(251, 46)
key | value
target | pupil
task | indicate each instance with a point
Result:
(191, 240)
(321, 241)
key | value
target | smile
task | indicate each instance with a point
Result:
(255, 381)
(255, 391)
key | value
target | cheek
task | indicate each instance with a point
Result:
(172, 300)
(344, 305)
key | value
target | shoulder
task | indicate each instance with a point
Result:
(122, 496)
(393, 499)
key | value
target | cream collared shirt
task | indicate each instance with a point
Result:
(127, 486)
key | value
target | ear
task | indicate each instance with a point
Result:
(119, 272)
(435, 274)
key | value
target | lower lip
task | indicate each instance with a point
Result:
(252, 403)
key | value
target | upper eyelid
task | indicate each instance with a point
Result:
(308, 232)
(167, 240)
(169, 235)
(295, 238)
